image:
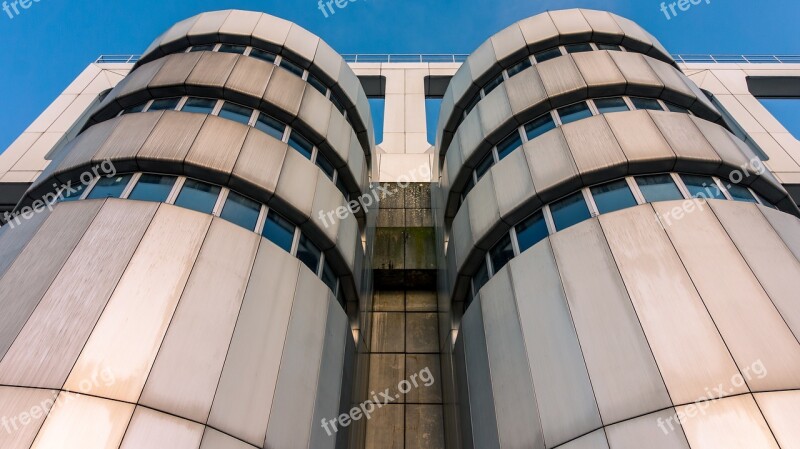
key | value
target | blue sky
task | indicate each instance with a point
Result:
(47, 45)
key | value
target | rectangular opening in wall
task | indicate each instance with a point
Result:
(786, 111)
(432, 106)
(377, 105)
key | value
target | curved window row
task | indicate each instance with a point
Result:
(279, 61)
(218, 201)
(602, 199)
(558, 117)
(250, 117)
(530, 60)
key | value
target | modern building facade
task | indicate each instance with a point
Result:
(601, 250)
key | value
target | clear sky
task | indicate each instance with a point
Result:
(50, 43)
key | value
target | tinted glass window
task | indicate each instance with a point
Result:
(702, 187)
(308, 253)
(74, 191)
(337, 102)
(611, 47)
(227, 48)
(292, 67)
(484, 165)
(241, 210)
(199, 105)
(317, 84)
(279, 231)
(738, 193)
(613, 196)
(198, 196)
(574, 112)
(109, 187)
(481, 277)
(569, 211)
(328, 276)
(232, 111)
(676, 108)
(493, 84)
(472, 103)
(301, 144)
(470, 185)
(262, 55)
(578, 48)
(137, 108)
(607, 105)
(509, 144)
(646, 103)
(271, 126)
(520, 66)
(501, 253)
(209, 47)
(539, 126)
(325, 165)
(152, 188)
(531, 231)
(546, 55)
(658, 188)
(164, 104)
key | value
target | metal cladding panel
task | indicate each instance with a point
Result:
(297, 185)
(594, 440)
(470, 136)
(515, 401)
(29, 277)
(259, 163)
(207, 26)
(149, 428)
(513, 187)
(327, 198)
(84, 422)
(285, 91)
(167, 146)
(356, 161)
(567, 406)
(211, 72)
(239, 26)
(483, 212)
(339, 132)
(122, 146)
(244, 396)
(290, 421)
(272, 31)
(13, 402)
(552, 168)
(479, 380)
(642, 80)
(461, 84)
(348, 243)
(454, 162)
(782, 412)
(540, 32)
(787, 227)
(349, 83)
(600, 73)
(571, 25)
(665, 300)
(213, 439)
(603, 26)
(624, 375)
(315, 113)
(329, 62)
(732, 423)
(730, 154)
(494, 111)
(561, 78)
(482, 61)
(185, 374)
(636, 38)
(132, 326)
(703, 107)
(174, 38)
(462, 235)
(215, 150)
(328, 401)
(248, 78)
(46, 349)
(661, 430)
(676, 89)
(777, 270)
(595, 150)
(694, 153)
(509, 45)
(134, 88)
(748, 321)
(300, 42)
(461, 397)
(87, 145)
(526, 94)
(13, 240)
(171, 79)
(643, 144)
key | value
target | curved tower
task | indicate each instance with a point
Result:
(623, 271)
(191, 289)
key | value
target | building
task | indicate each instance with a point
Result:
(602, 247)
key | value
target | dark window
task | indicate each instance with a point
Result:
(613, 196)
(164, 104)
(279, 231)
(199, 105)
(308, 253)
(152, 188)
(317, 84)
(531, 231)
(610, 47)
(702, 187)
(325, 165)
(228, 48)
(232, 111)
(501, 253)
(132, 109)
(509, 144)
(109, 187)
(337, 103)
(646, 103)
(207, 47)
(658, 188)
(198, 196)
(474, 102)
(574, 112)
(578, 48)
(738, 193)
(675, 108)
(301, 144)
(241, 210)
(74, 192)
(570, 211)
(518, 67)
(493, 84)
(262, 55)
(547, 55)
(271, 126)
(328, 276)
(481, 277)
(539, 126)
(484, 165)
(607, 105)
(469, 186)
(292, 67)
(342, 188)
